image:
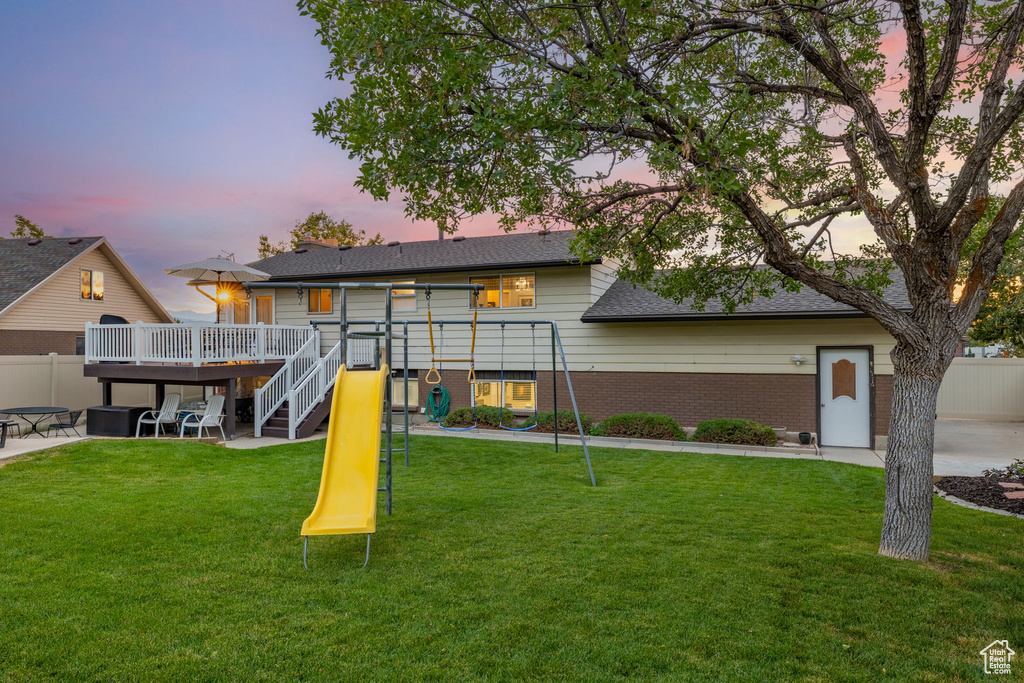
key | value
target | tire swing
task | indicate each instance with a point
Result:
(438, 401)
(533, 349)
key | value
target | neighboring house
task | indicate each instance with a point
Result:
(796, 360)
(50, 287)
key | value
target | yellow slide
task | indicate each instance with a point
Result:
(347, 502)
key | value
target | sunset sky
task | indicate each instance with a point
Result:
(176, 129)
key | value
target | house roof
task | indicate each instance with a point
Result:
(625, 303)
(23, 265)
(513, 250)
(27, 263)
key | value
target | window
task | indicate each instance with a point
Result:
(265, 309)
(240, 311)
(515, 290)
(92, 284)
(519, 395)
(403, 299)
(319, 301)
(79, 346)
(398, 388)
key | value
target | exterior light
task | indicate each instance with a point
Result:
(798, 359)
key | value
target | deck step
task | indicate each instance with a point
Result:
(277, 422)
(278, 432)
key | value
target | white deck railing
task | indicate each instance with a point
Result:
(195, 343)
(269, 397)
(308, 393)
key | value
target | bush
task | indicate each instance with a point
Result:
(1014, 471)
(545, 422)
(734, 430)
(641, 426)
(486, 416)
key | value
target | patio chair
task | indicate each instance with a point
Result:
(212, 416)
(167, 415)
(65, 422)
(6, 427)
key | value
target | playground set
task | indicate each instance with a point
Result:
(350, 480)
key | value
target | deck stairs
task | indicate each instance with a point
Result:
(297, 399)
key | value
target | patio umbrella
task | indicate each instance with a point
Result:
(217, 270)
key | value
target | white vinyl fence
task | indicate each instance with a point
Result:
(59, 381)
(983, 389)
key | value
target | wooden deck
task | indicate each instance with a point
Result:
(160, 374)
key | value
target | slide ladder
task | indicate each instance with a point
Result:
(347, 501)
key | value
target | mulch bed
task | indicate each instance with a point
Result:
(984, 491)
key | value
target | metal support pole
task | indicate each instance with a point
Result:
(388, 397)
(343, 326)
(405, 392)
(572, 395)
(554, 384)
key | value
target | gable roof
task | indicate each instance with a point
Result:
(625, 303)
(513, 250)
(25, 266)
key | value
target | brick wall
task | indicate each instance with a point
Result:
(772, 399)
(35, 342)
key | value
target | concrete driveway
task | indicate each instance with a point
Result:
(967, 447)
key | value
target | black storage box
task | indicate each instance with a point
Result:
(114, 420)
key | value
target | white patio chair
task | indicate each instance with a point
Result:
(212, 416)
(167, 415)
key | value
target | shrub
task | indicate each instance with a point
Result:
(641, 426)
(545, 422)
(486, 416)
(735, 430)
(1014, 471)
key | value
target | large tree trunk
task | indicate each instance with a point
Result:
(906, 526)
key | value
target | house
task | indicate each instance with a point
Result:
(51, 287)
(797, 360)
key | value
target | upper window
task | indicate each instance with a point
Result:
(514, 290)
(319, 301)
(403, 299)
(92, 284)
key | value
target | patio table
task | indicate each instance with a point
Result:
(39, 413)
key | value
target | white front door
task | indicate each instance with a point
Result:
(845, 397)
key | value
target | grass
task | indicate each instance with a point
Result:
(124, 560)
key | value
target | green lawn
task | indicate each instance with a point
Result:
(165, 561)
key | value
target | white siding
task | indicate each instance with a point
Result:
(58, 305)
(564, 293)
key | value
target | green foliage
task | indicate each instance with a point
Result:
(318, 226)
(1000, 319)
(486, 416)
(735, 430)
(545, 421)
(640, 426)
(23, 227)
(1014, 471)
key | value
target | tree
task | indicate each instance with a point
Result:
(707, 139)
(318, 226)
(23, 227)
(1000, 319)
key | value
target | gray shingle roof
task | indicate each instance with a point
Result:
(623, 303)
(23, 265)
(516, 250)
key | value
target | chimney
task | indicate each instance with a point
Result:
(309, 242)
